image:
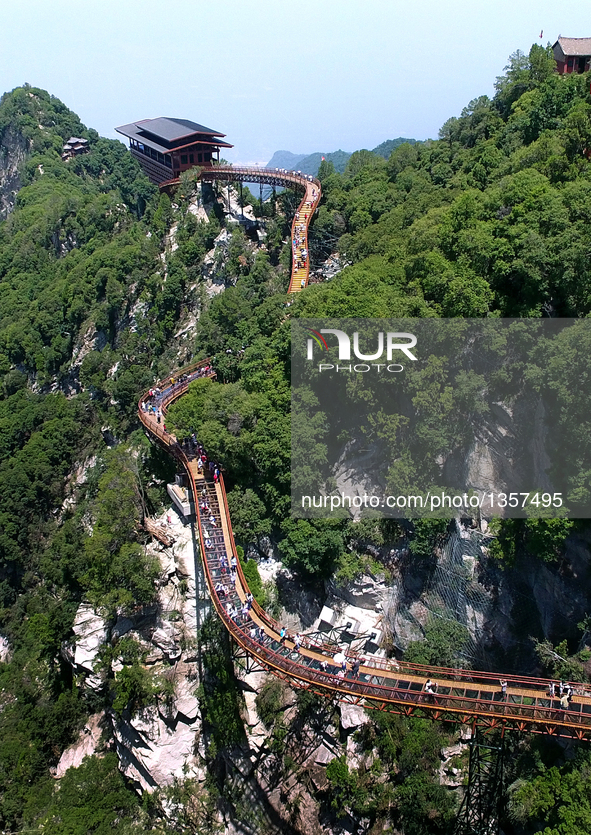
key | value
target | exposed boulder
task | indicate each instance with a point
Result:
(324, 755)
(353, 716)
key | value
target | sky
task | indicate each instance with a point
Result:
(305, 76)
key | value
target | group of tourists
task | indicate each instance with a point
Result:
(344, 668)
(240, 614)
(194, 450)
(564, 691)
(300, 251)
(152, 403)
(556, 690)
(151, 408)
(308, 177)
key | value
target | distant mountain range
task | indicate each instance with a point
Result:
(310, 163)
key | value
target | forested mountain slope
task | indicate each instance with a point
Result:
(85, 314)
(491, 219)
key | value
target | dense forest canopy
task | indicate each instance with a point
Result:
(491, 219)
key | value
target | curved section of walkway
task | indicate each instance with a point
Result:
(465, 696)
(300, 270)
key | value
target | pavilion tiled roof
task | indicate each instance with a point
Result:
(575, 46)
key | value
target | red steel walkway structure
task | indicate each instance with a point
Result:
(300, 271)
(464, 696)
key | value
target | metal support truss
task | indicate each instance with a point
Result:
(482, 804)
(339, 637)
(248, 662)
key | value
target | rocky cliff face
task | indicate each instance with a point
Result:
(160, 743)
(13, 150)
(502, 607)
(164, 743)
(543, 600)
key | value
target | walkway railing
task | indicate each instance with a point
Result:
(300, 270)
(465, 696)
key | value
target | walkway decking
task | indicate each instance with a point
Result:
(300, 271)
(465, 696)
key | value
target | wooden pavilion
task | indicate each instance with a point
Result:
(164, 147)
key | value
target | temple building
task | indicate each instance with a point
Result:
(164, 147)
(572, 54)
(74, 147)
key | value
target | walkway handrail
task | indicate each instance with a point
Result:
(463, 695)
(286, 179)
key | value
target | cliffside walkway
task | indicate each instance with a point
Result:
(300, 270)
(465, 696)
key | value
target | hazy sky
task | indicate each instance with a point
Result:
(312, 75)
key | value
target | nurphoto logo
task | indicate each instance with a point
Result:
(390, 340)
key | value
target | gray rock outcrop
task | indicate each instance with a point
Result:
(5, 650)
(13, 150)
(352, 717)
(159, 744)
(91, 632)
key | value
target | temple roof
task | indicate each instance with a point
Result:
(575, 46)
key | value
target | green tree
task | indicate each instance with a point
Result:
(442, 645)
(75, 807)
(312, 547)
(118, 572)
(557, 802)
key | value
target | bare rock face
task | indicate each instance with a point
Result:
(360, 470)
(91, 340)
(160, 743)
(324, 755)
(165, 638)
(212, 268)
(301, 605)
(85, 746)
(154, 751)
(122, 627)
(186, 702)
(544, 598)
(5, 651)
(366, 592)
(13, 150)
(91, 633)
